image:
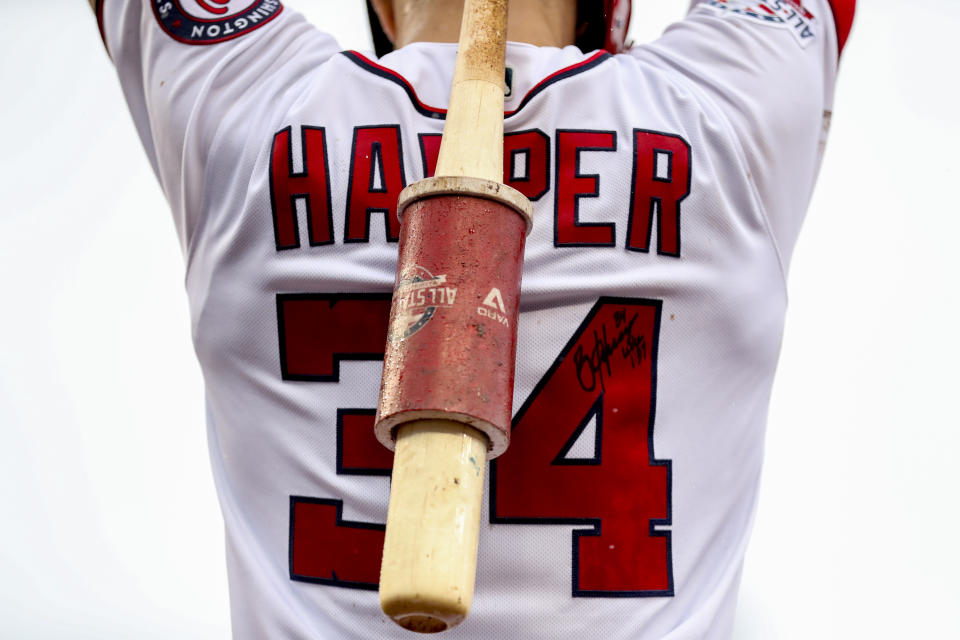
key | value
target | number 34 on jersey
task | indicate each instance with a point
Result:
(617, 498)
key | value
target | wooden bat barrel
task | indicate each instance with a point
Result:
(447, 388)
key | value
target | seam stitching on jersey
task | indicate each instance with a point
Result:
(741, 159)
(242, 528)
(193, 220)
(755, 192)
(193, 224)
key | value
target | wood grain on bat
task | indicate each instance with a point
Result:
(446, 394)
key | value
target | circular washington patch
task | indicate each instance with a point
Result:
(212, 21)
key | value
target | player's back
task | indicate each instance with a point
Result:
(651, 316)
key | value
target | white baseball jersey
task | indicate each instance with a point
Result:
(669, 185)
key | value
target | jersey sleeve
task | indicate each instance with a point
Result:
(769, 68)
(195, 72)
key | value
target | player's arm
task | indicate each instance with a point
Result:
(764, 73)
(186, 70)
(93, 4)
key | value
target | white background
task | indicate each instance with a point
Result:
(109, 526)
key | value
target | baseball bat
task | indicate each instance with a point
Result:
(447, 387)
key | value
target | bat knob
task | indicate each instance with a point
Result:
(431, 616)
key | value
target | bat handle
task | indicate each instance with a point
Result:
(429, 568)
(433, 522)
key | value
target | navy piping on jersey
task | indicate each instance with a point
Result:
(439, 114)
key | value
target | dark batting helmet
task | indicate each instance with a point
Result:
(602, 24)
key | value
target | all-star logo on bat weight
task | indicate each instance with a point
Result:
(417, 298)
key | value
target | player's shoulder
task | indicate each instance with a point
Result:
(810, 25)
(207, 29)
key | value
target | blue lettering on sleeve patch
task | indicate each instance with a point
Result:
(786, 14)
(212, 21)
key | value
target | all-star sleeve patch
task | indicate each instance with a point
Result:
(790, 15)
(213, 21)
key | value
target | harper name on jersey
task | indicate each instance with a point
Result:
(660, 180)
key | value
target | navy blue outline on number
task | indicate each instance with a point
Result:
(333, 299)
(595, 523)
(595, 411)
(354, 471)
(340, 522)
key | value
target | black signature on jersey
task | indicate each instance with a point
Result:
(594, 365)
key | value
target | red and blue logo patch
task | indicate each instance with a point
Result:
(212, 21)
(787, 14)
